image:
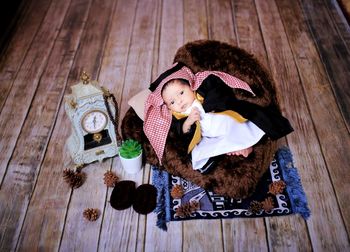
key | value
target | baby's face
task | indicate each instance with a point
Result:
(178, 96)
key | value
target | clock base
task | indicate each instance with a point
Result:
(81, 156)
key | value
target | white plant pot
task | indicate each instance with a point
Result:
(132, 165)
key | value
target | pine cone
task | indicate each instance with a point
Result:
(255, 207)
(277, 187)
(91, 214)
(186, 209)
(177, 192)
(268, 204)
(110, 179)
(195, 205)
(74, 178)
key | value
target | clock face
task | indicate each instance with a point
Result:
(94, 121)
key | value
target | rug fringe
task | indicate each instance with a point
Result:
(160, 179)
(291, 178)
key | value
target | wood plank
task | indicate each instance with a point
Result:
(250, 38)
(11, 17)
(195, 233)
(142, 228)
(195, 20)
(150, 219)
(114, 67)
(326, 229)
(138, 75)
(80, 234)
(171, 23)
(249, 35)
(25, 164)
(125, 229)
(19, 44)
(220, 21)
(203, 235)
(26, 161)
(334, 52)
(119, 228)
(287, 233)
(325, 112)
(339, 20)
(237, 233)
(244, 235)
(26, 83)
(48, 205)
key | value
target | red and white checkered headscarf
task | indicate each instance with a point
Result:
(158, 117)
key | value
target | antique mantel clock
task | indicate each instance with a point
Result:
(94, 120)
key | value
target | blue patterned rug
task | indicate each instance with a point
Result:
(278, 193)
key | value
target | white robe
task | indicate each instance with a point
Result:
(221, 134)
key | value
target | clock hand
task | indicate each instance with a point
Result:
(94, 121)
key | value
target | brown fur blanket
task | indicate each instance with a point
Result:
(234, 176)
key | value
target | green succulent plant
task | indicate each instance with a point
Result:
(130, 149)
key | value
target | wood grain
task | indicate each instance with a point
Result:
(20, 43)
(334, 52)
(126, 44)
(244, 235)
(171, 34)
(324, 112)
(220, 21)
(240, 234)
(249, 35)
(80, 234)
(128, 223)
(32, 142)
(339, 20)
(195, 233)
(138, 78)
(138, 71)
(303, 142)
(170, 39)
(250, 38)
(112, 234)
(195, 20)
(287, 233)
(51, 188)
(26, 83)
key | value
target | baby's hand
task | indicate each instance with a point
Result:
(194, 116)
(191, 119)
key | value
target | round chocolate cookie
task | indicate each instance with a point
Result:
(145, 199)
(123, 194)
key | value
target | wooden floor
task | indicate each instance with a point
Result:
(126, 44)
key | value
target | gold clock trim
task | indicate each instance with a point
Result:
(88, 112)
(85, 78)
(97, 137)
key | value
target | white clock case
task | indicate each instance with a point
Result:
(87, 97)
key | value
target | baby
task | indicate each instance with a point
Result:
(221, 134)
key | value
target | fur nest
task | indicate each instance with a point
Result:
(234, 176)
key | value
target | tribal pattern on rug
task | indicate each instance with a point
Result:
(278, 193)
